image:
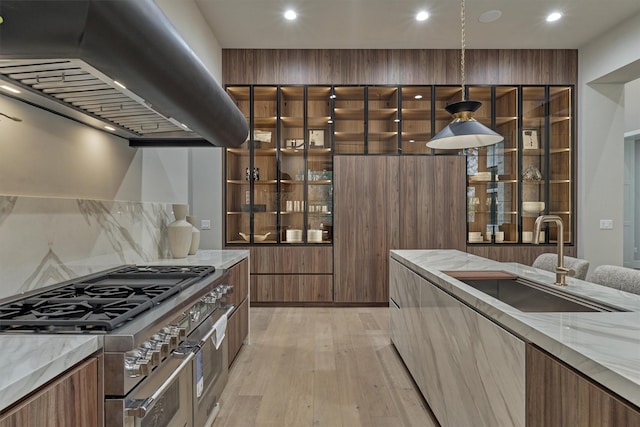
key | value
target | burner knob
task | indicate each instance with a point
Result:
(209, 299)
(152, 353)
(226, 289)
(135, 367)
(175, 331)
(169, 338)
(162, 341)
(195, 315)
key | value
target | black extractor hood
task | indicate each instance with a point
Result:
(69, 56)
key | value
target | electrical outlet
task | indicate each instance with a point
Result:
(606, 224)
(205, 224)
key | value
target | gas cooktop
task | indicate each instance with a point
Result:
(101, 302)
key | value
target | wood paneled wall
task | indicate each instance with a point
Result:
(398, 66)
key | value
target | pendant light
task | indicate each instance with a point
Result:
(464, 131)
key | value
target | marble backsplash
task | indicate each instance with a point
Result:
(44, 241)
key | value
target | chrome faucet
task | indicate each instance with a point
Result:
(561, 270)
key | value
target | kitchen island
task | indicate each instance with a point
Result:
(32, 360)
(472, 355)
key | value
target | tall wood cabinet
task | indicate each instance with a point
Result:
(392, 202)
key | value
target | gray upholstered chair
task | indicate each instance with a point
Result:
(613, 276)
(548, 261)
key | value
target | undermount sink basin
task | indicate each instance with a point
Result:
(526, 295)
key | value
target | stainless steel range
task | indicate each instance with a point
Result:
(165, 356)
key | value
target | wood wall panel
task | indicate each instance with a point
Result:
(293, 288)
(524, 254)
(292, 260)
(398, 66)
(558, 396)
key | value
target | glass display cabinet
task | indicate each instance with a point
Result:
(529, 173)
(280, 182)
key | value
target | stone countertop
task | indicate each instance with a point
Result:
(221, 259)
(30, 360)
(603, 346)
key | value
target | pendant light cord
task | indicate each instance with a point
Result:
(462, 76)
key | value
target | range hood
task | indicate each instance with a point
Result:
(67, 55)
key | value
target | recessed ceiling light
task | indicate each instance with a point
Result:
(422, 16)
(110, 128)
(290, 15)
(10, 89)
(490, 16)
(553, 17)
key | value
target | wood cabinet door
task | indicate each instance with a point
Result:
(71, 400)
(432, 202)
(365, 226)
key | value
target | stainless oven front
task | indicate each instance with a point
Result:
(184, 390)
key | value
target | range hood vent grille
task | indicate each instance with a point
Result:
(75, 84)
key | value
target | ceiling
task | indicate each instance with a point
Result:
(390, 24)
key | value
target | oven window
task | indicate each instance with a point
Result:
(164, 409)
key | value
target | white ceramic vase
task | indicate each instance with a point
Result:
(180, 232)
(195, 235)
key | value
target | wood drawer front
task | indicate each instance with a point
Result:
(70, 400)
(237, 329)
(239, 278)
(292, 260)
(292, 288)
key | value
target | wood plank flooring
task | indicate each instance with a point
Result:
(320, 367)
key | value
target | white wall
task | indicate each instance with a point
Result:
(605, 65)
(205, 166)
(47, 155)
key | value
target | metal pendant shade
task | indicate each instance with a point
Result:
(464, 131)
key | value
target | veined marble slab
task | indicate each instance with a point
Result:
(30, 361)
(51, 240)
(603, 346)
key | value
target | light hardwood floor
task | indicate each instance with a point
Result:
(320, 367)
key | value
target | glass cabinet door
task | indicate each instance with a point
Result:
(492, 191)
(382, 120)
(560, 155)
(416, 119)
(349, 119)
(534, 166)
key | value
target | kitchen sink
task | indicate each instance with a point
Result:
(526, 295)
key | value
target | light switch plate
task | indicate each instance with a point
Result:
(205, 224)
(606, 224)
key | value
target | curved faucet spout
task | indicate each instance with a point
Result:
(561, 271)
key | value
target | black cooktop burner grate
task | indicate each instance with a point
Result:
(99, 303)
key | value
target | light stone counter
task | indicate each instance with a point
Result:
(30, 360)
(220, 259)
(603, 346)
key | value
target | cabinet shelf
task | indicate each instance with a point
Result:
(349, 113)
(383, 113)
(416, 114)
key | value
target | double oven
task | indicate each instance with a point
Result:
(163, 329)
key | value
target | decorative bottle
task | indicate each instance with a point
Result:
(195, 235)
(180, 232)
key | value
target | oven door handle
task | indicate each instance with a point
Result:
(146, 405)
